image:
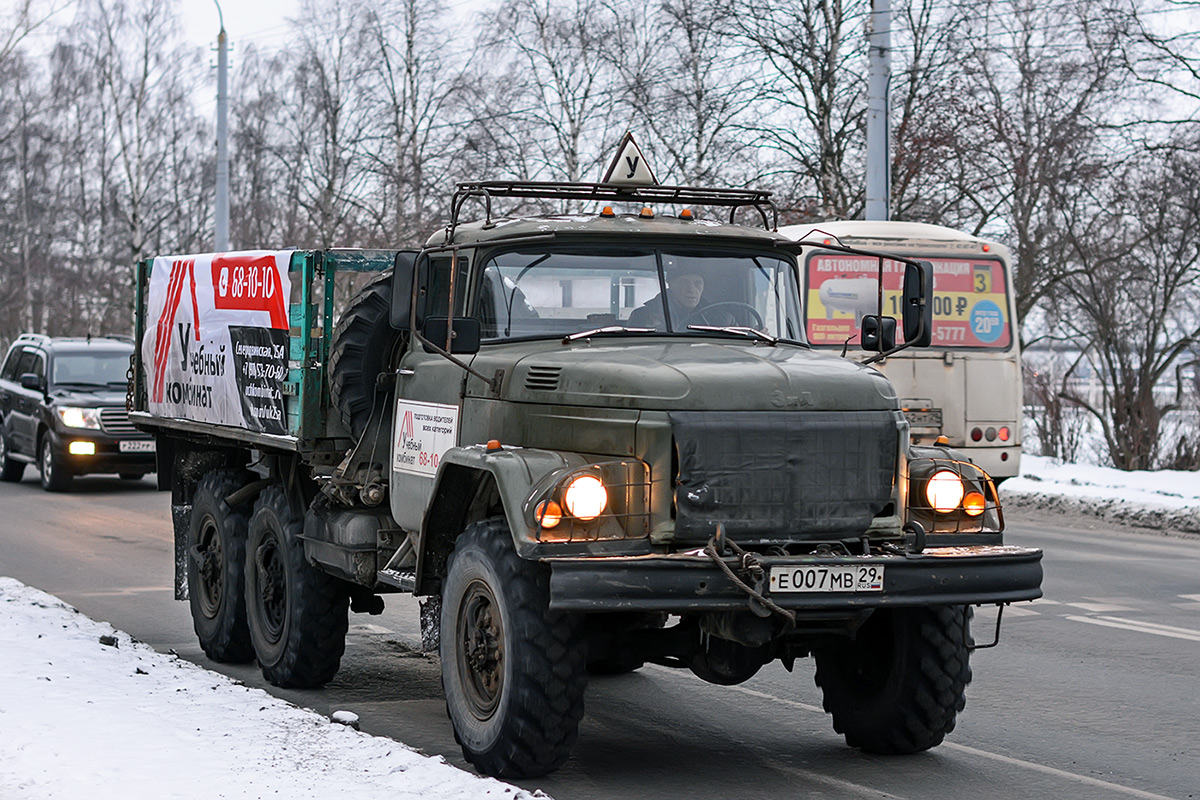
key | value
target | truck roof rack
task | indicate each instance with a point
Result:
(733, 199)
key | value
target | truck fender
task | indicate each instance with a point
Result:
(475, 483)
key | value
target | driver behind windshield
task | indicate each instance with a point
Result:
(685, 301)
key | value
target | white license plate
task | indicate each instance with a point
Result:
(924, 417)
(136, 446)
(864, 578)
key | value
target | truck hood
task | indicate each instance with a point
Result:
(679, 374)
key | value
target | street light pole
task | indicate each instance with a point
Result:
(879, 68)
(221, 211)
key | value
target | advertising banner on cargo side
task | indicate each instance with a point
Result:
(970, 305)
(216, 343)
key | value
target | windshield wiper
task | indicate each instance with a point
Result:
(87, 384)
(740, 330)
(607, 330)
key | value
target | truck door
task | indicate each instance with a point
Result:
(429, 390)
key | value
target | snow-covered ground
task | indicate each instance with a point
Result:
(86, 712)
(1162, 500)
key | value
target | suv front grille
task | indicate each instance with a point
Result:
(116, 421)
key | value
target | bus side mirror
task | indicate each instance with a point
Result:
(916, 305)
(878, 334)
(403, 271)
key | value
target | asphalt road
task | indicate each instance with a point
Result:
(1093, 691)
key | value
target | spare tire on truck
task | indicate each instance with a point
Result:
(362, 347)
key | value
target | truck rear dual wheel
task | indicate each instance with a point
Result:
(216, 547)
(298, 615)
(898, 687)
(513, 671)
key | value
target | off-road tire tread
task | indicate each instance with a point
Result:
(933, 693)
(315, 636)
(362, 343)
(549, 671)
(230, 642)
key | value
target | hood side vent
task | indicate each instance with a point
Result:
(543, 379)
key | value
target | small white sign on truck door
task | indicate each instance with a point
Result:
(424, 432)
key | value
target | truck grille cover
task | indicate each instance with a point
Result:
(783, 475)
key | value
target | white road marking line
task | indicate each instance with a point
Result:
(1139, 627)
(1058, 773)
(962, 748)
(1097, 608)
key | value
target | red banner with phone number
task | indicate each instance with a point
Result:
(970, 304)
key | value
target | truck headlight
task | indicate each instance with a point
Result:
(74, 417)
(950, 495)
(586, 497)
(591, 502)
(944, 491)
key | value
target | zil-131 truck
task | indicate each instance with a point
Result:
(586, 441)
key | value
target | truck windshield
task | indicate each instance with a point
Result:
(535, 293)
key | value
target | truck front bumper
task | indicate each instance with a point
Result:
(684, 583)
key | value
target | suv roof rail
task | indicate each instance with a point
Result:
(733, 199)
(36, 338)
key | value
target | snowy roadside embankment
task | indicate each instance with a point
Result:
(1162, 500)
(87, 712)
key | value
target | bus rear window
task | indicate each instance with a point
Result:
(970, 302)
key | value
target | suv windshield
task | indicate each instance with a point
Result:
(91, 368)
(531, 292)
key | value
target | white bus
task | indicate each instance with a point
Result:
(967, 386)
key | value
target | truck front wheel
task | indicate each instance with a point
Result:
(899, 685)
(513, 671)
(298, 615)
(216, 548)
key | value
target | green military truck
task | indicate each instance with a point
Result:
(587, 441)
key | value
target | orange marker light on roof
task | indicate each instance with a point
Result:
(647, 213)
(607, 212)
(987, 248)
(686, 214)
(493, 444)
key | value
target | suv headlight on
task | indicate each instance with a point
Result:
(74, 417)
(951, 496)
(607, 500)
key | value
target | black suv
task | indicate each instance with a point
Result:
(62, 406)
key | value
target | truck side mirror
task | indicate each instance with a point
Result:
(878, 334)
(403, 272)
(464, 339)
(31, 381)
(917, 305)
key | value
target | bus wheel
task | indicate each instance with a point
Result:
(216, 547)
(512, 670)
(298, 615)
(899, 685)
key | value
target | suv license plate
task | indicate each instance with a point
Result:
(136, 446)
(865, 578)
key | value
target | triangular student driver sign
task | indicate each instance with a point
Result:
(630, 167)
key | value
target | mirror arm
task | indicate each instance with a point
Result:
(492, 383)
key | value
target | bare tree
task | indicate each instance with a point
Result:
(685, 86)
(811, 57)
(1132, 304)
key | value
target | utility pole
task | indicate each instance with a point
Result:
(879, 73)
(221, 211)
